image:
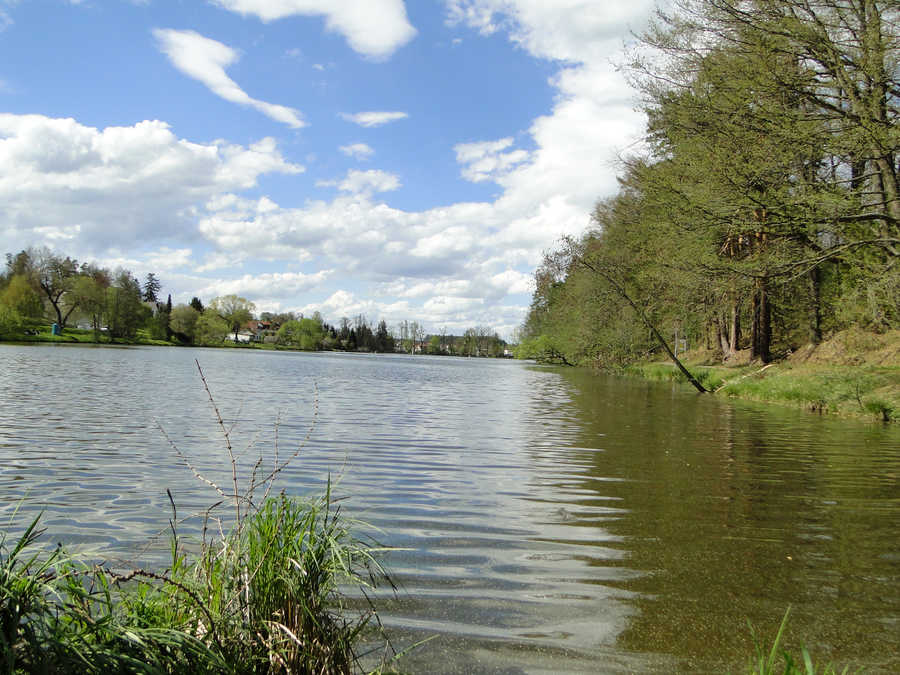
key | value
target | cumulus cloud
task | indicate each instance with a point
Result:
(550, 190)
(367, 182)
(267, 288)
(567, 30)
(486, 160)
(373, 28)
(63, 181)
(357, 151)
(374, 118)
(205, 60)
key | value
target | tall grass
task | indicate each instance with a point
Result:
(261, 595)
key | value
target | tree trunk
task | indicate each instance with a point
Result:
(722, 337)
(761, 329)
(734, 333)
(815, 314)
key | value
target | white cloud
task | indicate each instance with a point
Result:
(568, 30)
(374, 28)
(63, 181)
(486, 160)
(367, 182)
(205, 60)
(169, 259)
(266, 288)
(374, 118)
(357, 151)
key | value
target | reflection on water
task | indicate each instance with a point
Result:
(545, 520)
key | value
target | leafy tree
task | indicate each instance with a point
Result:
(125, 310)
(210, 328)
(183, 321)
(10, 320)
(91, 292)
(19, 295)
(233, 310)
(55, 276)
(197, 304)
(305, 334)
(158, 324)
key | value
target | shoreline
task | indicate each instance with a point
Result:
(869, 392)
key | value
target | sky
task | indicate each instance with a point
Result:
(401, 160)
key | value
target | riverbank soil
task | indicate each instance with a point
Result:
(854, 373)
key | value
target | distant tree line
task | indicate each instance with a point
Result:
(765, 212)
(39, 285)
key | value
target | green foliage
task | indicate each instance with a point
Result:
(233, 310)
(125, 311)
(765, 212)
(158, 325)
(19, 295)
(305, 334)
(183, 321)
(11, 321)
(210, 328)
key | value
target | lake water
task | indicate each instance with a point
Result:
(549, 520)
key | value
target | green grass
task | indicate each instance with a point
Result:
(263, 595)
(710, 377)
(857, 391)
(264, 598)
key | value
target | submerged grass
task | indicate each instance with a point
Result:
(263, 597)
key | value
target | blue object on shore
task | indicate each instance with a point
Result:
(54, 329)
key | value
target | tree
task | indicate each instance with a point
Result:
(55, 276)
(125, 311)
(152, 287)
(210, 328)
(794, 106)
(90, 290)
(18, 295)
(305, 334)
(197, 304)
(183, 321)
(384, 341)
(233, 310)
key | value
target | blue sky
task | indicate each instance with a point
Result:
(402, 160)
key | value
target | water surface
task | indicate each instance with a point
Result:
(547, 520)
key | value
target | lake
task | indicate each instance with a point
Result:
(545, 519)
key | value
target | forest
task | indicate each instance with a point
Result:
(761, 212)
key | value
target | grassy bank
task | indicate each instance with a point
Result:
(853, 374)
